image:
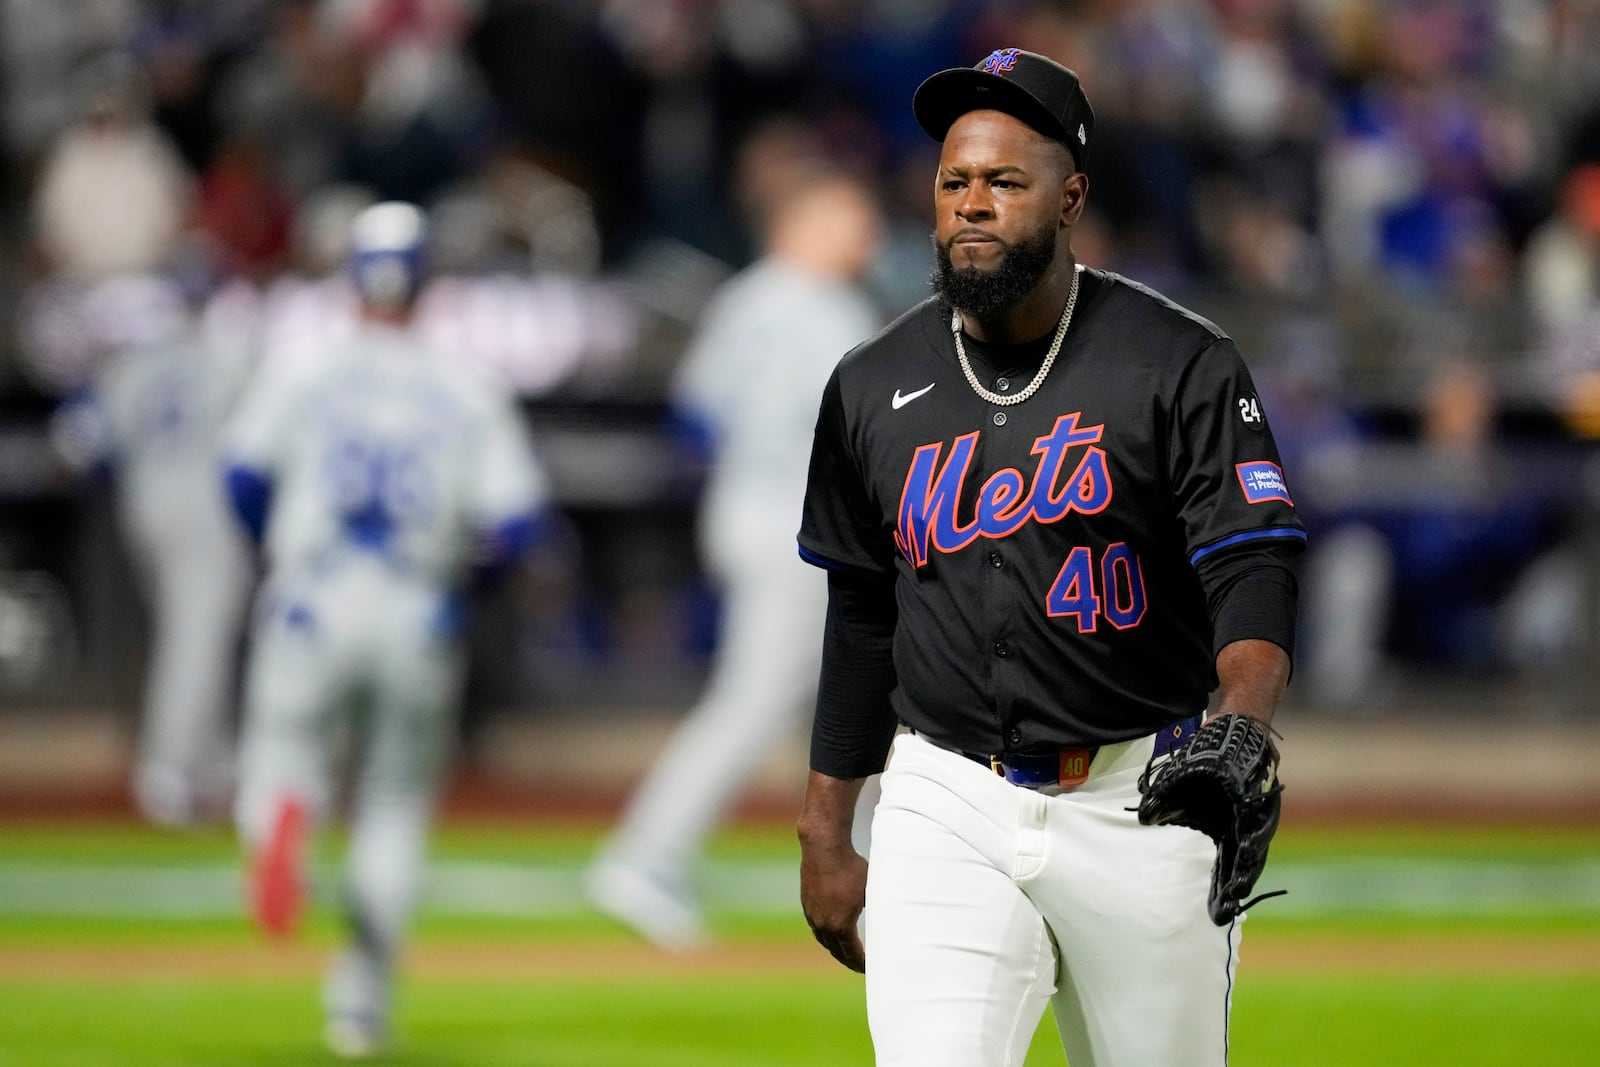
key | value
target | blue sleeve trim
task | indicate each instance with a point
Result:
(840, 568)
(1291, 532)
(505, 543)
(822, 561)
(693, 432)
(522, 533)
(250, 493)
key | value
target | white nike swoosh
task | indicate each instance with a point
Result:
(901, 401)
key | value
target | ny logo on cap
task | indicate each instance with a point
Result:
(1001, 60)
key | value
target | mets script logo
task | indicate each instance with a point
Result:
(1263, 481)
(1006, 500)
(1001, 60)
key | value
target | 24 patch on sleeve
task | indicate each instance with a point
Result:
(1262, 480)
(1250, 412)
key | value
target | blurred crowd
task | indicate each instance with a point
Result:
(1394, 206)
(1351, 155)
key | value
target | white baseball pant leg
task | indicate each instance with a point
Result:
(762, 686)
(298, 688)
(198, 589)
(407, 748)
(987, 901)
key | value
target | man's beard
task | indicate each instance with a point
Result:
(988, 294)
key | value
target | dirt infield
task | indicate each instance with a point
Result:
(1321, 955)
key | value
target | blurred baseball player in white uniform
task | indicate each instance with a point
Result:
(379, 481)
(749, 385)
(150, 419)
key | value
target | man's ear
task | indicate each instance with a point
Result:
(1074, 195)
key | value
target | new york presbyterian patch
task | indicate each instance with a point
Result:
(1263, 481)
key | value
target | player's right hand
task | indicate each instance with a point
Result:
(833, 892)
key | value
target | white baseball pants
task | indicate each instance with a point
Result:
(197, 581)
(353, 655)
(986, 901)
(761, 690)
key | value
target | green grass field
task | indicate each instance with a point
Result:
(126, 946)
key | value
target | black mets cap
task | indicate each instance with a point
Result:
(1025, 85)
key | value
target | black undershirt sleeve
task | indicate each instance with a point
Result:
(1252, 593)
(854, 724)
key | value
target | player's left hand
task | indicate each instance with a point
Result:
(833, 892)
(1224, 783)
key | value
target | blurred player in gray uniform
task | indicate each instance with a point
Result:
(380, 481)
(748, 389)
(150, 419)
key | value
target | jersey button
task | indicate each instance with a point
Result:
(1002, 384)
(996, 560)
(999, 418)
(1015, 737)
(1002, 649)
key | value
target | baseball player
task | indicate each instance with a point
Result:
(150, 419)
(1053, 520)
(748, 386)
(378, 482)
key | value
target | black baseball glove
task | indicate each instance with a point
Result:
(1224, 783)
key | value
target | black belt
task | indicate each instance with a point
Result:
(1068, 765)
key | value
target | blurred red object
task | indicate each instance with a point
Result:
(247, 216)
(277, 883)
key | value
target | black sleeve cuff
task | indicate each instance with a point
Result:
(1252, 594)
(854, 723)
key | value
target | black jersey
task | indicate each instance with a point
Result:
(1045, 552)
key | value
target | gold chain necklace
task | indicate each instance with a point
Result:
(1007, 399)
